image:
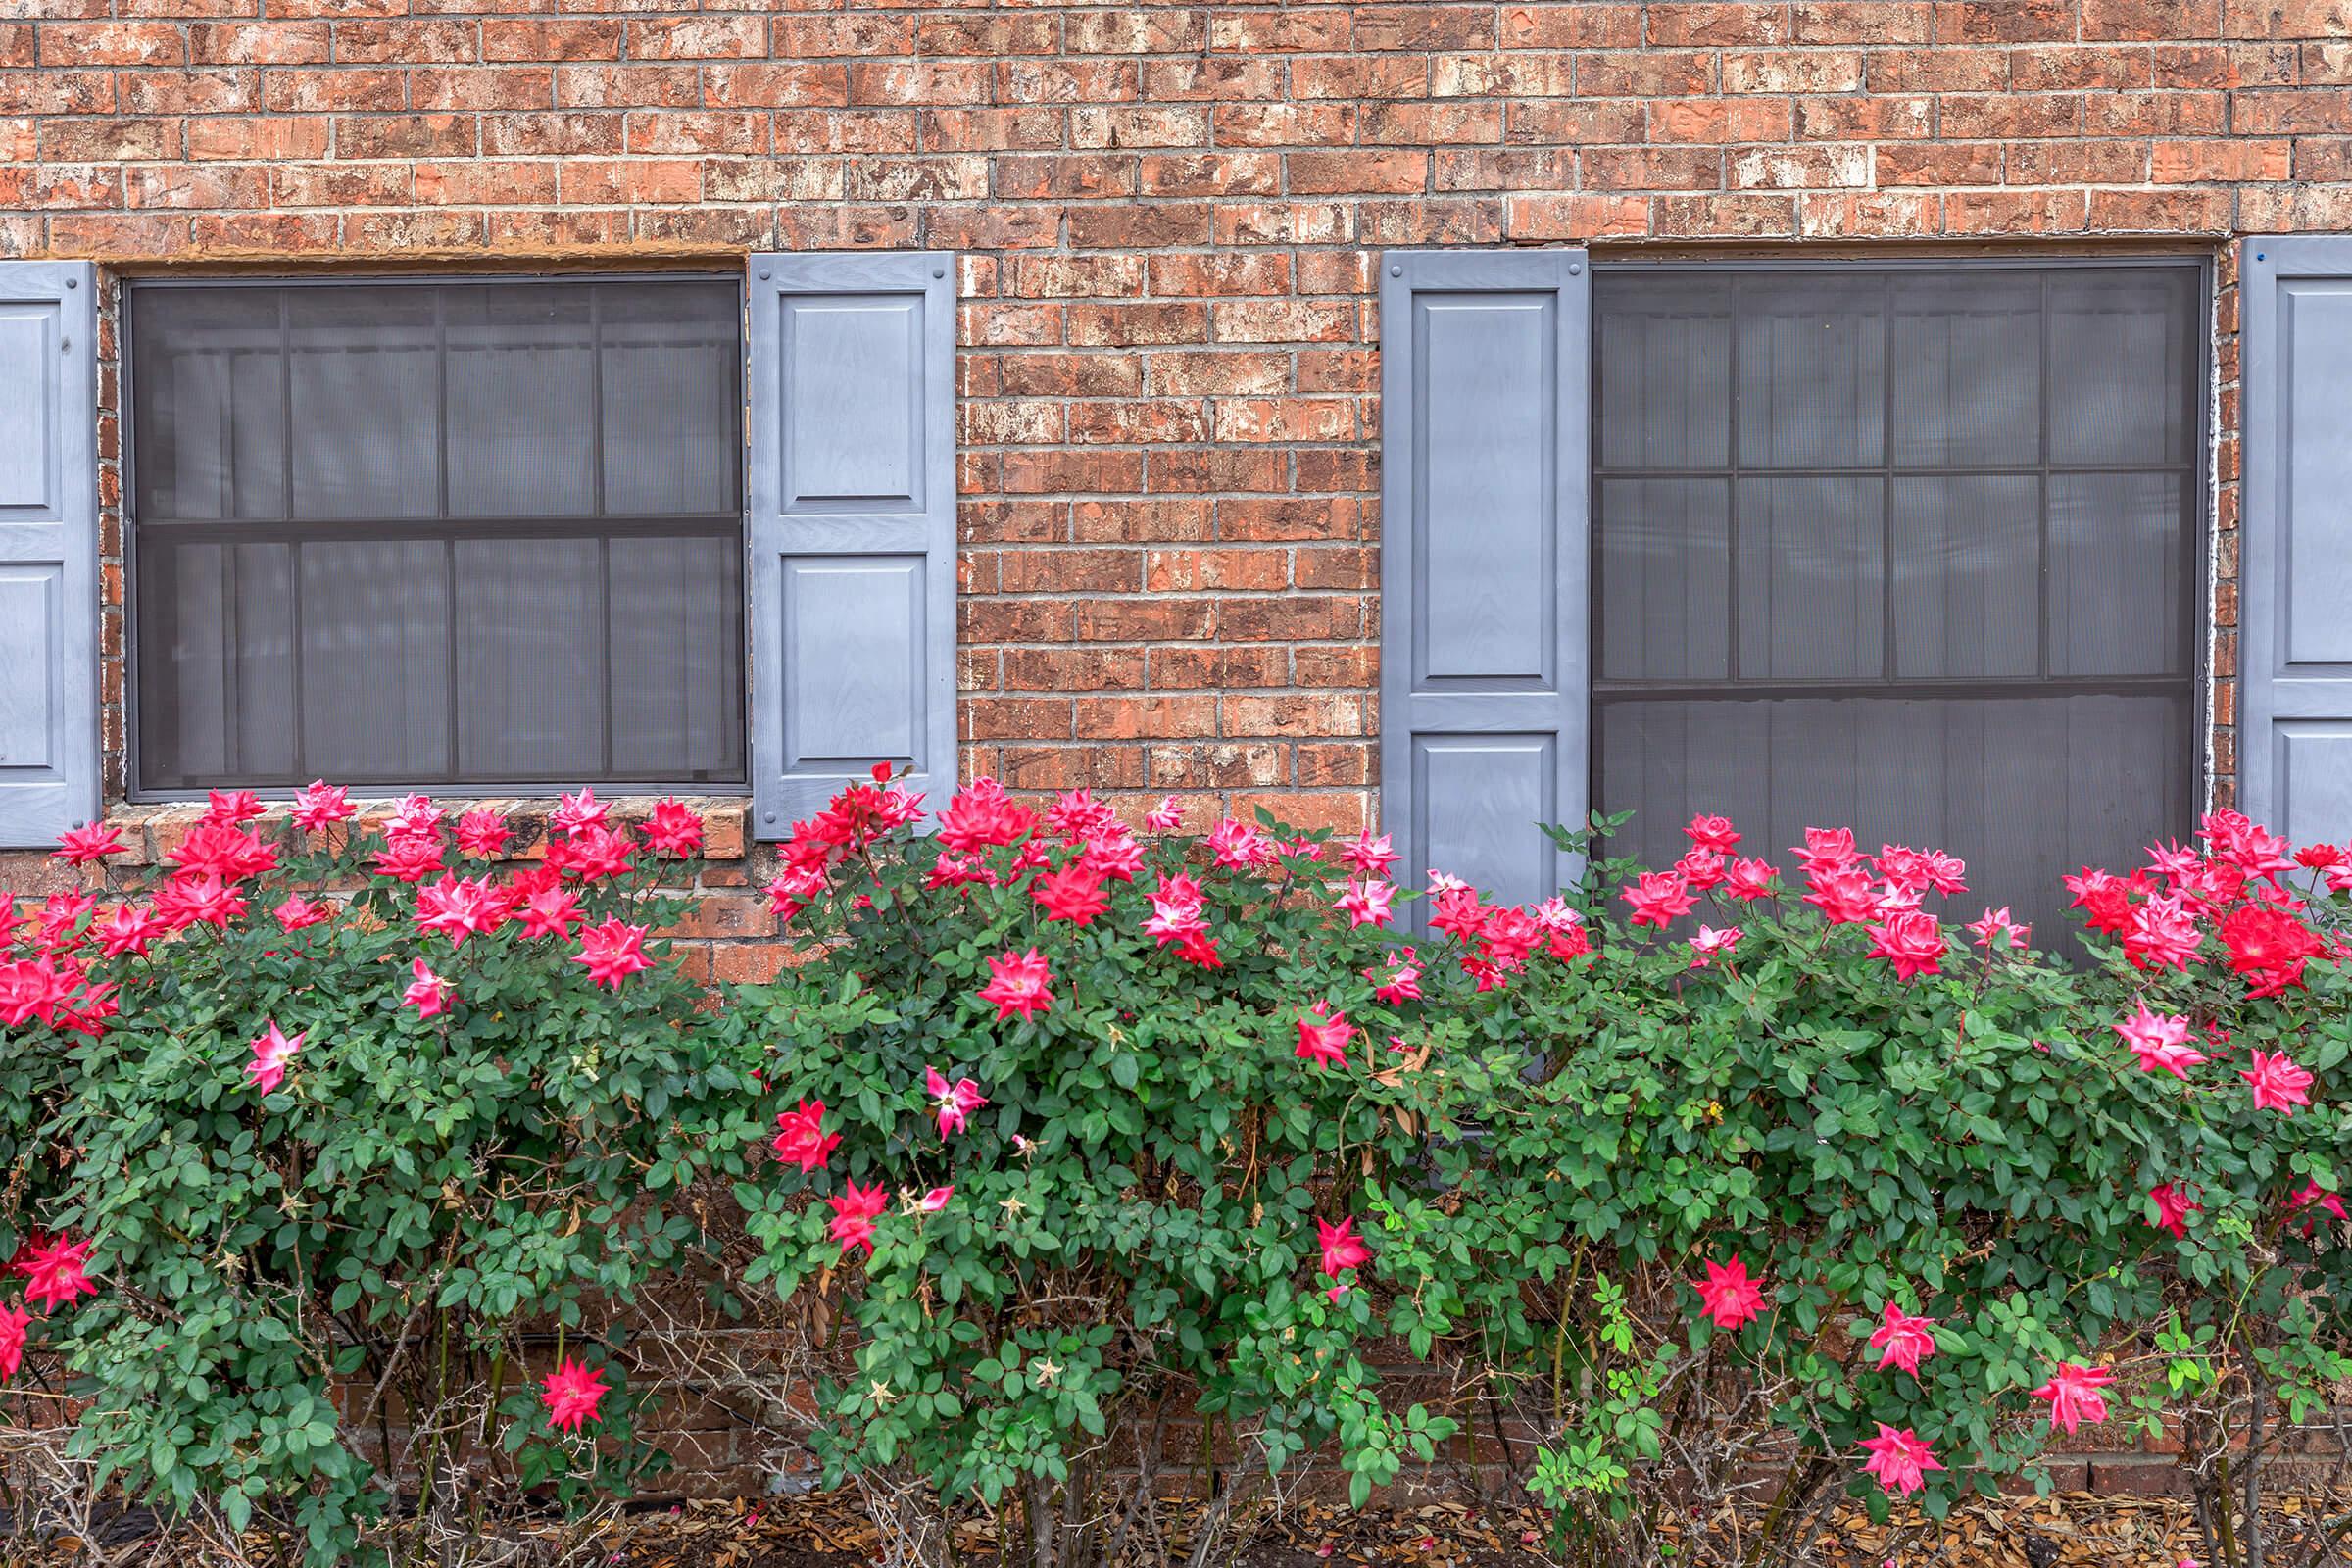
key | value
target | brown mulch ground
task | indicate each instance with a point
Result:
(2074, 1530)
(2078, 1530)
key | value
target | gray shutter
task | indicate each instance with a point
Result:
(48, 550)
(852, 525)
(1483, 561)
(2294, 661)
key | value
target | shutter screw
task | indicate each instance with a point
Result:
(939, 271)
(73, 283)
(1576, 268)
(764, 272)
(64, 345)
(767, 816)
(1395, 272)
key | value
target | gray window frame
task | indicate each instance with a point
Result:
(136, 791)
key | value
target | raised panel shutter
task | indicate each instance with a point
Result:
(852, 525)
(1484, 562)
(48, 550)
(2294, 661)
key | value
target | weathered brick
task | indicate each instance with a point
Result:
(543, 38)
(71, 44)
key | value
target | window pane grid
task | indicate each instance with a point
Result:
(1732, 406)
(1911, 550)
(438, 533)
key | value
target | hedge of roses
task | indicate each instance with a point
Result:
(1113, 1151)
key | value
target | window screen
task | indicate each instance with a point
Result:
(1907, 550)
(437, 533)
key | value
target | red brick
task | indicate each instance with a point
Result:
(214, 91)
(512, 182)
(1660, 75)
(1864, 21)
(739, 131)
(92, 141)
(2059, 70)
(406, 135)
(70, 44)
(1230, 273)
(503, 88)
(1134, 31)
(597, 86)
(2289, 19)
(1361, 76)
(1555, 217)
(2139, 114)
(2077, 163)
(703, 37)
(1870, 214)
(1737, 25)
(198, 185)
(2150, 19)
(551, 134)
(1140, 225)
(1938, 70)
(1310, 30)
(261, 43)
(1990, 212)
(1189, 570)
(1620, 168)
(341, 184)
(973, 33)
(332, 91)
(1794, 70)
(215, 137)
(2173, 212)
(1150, 717)
(385, 42)
(1715, 121)
(2004, 20)
(1203, 80)
(1589, 25)
(1533, 76)
(1941, 164)
(1208, 173)
(1137, 420)
(539, 38)
(776, 86)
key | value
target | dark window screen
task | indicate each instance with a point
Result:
(448, 533)
(1910, 551)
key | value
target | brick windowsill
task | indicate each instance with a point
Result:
(153, 831)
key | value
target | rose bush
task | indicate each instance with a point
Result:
(1822, 1199)
(1080, 1132)
(1948, 1167)
(352, 1140)
(1089, 1155)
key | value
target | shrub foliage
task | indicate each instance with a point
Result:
(338, 1160)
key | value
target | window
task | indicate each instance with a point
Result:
(1904, 549)
(437, 533)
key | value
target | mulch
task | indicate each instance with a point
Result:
(2072, 1530)
(2075, 1530)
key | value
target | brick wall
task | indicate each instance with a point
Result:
(1166, 215)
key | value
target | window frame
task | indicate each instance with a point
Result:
(138, 792)
(2197, 535)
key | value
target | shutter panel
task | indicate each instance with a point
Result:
(2294, 659)
(48, 550)
(1484, 562)
(852, 525)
